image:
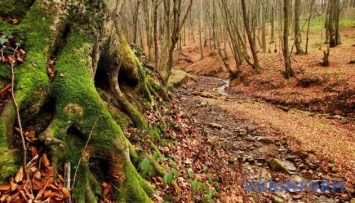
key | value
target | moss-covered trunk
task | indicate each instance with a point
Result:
(96, 69)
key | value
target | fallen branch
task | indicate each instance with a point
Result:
(20, 126)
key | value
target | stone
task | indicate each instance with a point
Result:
(242, 131)
(216, 125)
(265, 139)
(277, 199)
(297, 197)
(276, 165)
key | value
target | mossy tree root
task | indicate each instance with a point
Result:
(76, 99)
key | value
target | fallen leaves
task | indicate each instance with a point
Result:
(13, 21)
(4, 92)
(51, 72)
(11, 51)
(36, 181)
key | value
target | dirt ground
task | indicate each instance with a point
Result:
(238, 144)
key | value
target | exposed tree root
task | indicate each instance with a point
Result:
(65, 112)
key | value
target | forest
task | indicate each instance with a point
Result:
(229, 101)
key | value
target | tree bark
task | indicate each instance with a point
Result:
(297, 32)
(286, 53)
(135, 11)
(155, 32)
(309, 22)
(177, 25)
(256, 65)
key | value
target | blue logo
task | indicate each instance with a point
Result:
(294, 186)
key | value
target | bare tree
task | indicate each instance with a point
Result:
(255, 65)
(135, 10)
(175, 33)
(333, 23)
(148, 29)
(297, 31)
(309, 22)
(286, 53)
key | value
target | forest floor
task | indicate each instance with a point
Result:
(307, 123)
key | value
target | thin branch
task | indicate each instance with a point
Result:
(20, 125)
(18, 117)
(82, 154)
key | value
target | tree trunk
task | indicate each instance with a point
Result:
(286, 53)
(330, 26)
(155, 33)
(256, 65)
(200, 29)
(177, 25)
(148, 29)
(92, 61)
(297, 32)
(272, 40)
(337, 19)
(309, 22)
(135, 11)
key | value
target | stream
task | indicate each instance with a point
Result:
(244, 140)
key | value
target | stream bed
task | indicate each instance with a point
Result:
(244, 140)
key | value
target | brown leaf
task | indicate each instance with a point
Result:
(19, 175)
(44, 160)
(33, 151)
(48, 194)
(4, 59)
(106, 188)
(23, 195)
(22, 51)
(40, 194)
(66, 192)
(52, 187)
(30, 134)
(37, 184)
(12, 59)
(37, 175)
(17, 129)
(5, 187)
(19, 58)
(13, 186)
(60, 178)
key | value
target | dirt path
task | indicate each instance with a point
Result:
(254, 132)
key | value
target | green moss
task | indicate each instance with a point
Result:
(131, 189)
(159, 89)
(82, 182)
(95, 186)
(9, 163)
(14, 8)
(128, 57)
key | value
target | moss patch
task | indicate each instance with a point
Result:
(14, 8)
(9, 163)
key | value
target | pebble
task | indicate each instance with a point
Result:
(291, 158)
(297, 197)
(216, 125)
(265, 139)
(242, 132)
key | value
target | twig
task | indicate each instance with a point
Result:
(82, 154)
(20, 125)
(67, 179)
(18, 116)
